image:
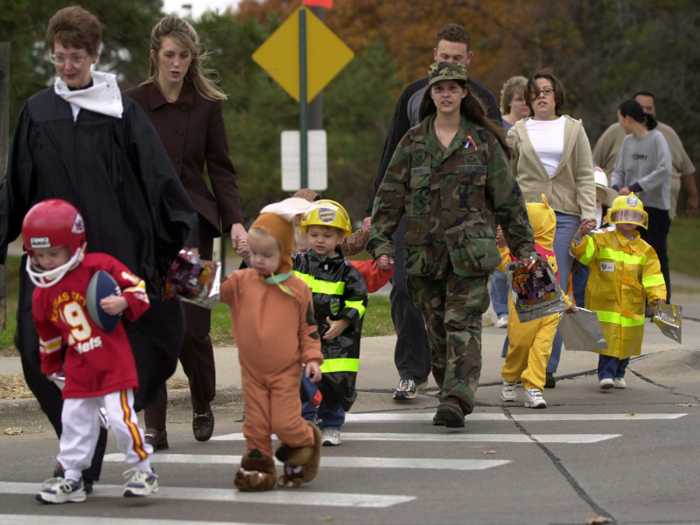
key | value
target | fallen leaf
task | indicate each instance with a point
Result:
(477, 446)
(597, 520)
(630, 415)
(326, 518)
(13, 431)
(489, 451)
(686, 405)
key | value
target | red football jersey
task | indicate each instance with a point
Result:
(96, 362)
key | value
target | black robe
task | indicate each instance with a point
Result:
(118, 175)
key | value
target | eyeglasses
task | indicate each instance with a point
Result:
(76, 60)
(547, 91)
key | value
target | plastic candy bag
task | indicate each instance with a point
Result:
(669, 318)
(193, 280)
(582, 331)
(535, 292)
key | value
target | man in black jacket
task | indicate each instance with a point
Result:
(412, 353)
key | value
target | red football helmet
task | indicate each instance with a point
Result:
(50, 224)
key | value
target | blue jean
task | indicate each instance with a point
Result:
(611, 367)
(328, 416)
(567, 225)
(499, 293)
(579, 281)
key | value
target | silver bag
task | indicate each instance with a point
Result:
(536, 293)
(582, 331)
(669, 318)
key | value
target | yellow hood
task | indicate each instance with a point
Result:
(543, 222)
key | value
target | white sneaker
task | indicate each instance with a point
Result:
(606, 384)
(620, 382)
(61, 490)
(408, 389)
(502, 321)
(140, 484)
(508, 394)
(331, 437)
(534, 399)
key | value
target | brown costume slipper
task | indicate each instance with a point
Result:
(257, 472)
(300, 464)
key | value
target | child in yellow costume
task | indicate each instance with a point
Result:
(531, 343)
(624, 269)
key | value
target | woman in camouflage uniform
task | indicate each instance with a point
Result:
(451, 177)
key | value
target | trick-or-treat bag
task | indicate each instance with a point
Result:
(582, 331)
(193, 280)
(669, 318)
(536, 292)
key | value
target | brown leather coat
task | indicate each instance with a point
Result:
(193, 132)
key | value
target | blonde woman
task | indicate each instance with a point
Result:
(186, 107)
(514, 106)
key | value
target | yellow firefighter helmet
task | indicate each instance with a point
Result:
(327, 213)
(628, 209)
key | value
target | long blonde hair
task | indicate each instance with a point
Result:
(183, 34)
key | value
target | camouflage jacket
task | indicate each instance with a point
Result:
(452, 203)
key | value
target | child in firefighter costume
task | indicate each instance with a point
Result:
(624, 272)
(96, 367)
(531, 343)
(340, 301)
(273, 322)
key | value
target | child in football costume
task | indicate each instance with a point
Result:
(98, 366)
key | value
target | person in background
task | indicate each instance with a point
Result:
(643, 167)
(186, 108)
(80, 140)
(552, 156)
(453, 43)
(609, 144)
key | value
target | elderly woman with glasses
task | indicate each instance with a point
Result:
(81, 141)
(552, 156)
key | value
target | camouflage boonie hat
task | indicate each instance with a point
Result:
(446, 71)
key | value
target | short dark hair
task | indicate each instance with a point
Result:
(632, 108)
(454, 33)
(75, 27)
(644, 94)
(534, 91)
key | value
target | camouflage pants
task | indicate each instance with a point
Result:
(452, 308)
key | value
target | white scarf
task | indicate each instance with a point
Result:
(102, 97)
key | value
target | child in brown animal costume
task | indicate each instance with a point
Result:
(273, 323)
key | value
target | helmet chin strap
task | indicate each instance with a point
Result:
(46, 279)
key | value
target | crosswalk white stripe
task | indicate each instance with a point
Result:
(499, 416)
(273, 497)
(457, 437)
(330, 461)
(28, 519)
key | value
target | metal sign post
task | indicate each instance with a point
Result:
(303, 104)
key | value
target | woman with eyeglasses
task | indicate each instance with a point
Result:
(552, 156)
(81, 141)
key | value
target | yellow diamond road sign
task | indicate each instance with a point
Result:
(326, 55)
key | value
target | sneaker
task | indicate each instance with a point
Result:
(407, 389)
(549, 381)
(619, 382)
(534, 399)
(607, 383)
(508, 394)
(140, 484)
(87, 483)
(331, 436)
(502, 321)
(61, 490)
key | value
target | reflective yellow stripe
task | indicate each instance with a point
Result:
(653, 280)
(590, 250)
(615, 318)
(342, 364)
(357, 305)
(624, 258)
(319, 286)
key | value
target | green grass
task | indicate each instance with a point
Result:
(684, 246)
(377, 318)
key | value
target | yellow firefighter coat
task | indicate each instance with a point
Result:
(623, 271)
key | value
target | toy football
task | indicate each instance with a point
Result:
(101, 285)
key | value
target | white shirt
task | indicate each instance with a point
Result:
(547, 137)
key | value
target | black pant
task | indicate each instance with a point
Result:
(656, 236)
(46, 393)
(412, 352)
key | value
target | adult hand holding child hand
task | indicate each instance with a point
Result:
(384, 262)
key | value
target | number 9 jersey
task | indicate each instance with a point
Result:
(96, 362)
